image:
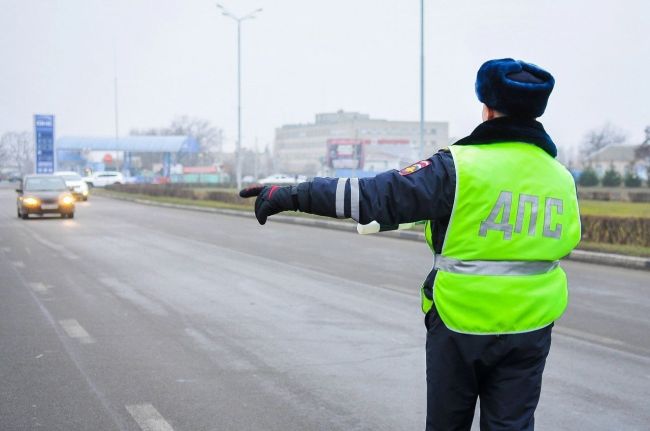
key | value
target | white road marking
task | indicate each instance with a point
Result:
(148, 418)
(73, 355)
(18, 263)
(6, 249)
(57, 247)
(587, 336)
(75, 330)
(39, 287)
(129, 293)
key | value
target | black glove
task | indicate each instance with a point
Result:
(271, 200)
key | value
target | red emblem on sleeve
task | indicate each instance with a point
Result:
(414, 167)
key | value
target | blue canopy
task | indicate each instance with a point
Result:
(134, 144)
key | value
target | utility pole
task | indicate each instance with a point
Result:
(117, 129)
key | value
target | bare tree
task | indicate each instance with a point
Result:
(4, 153)
(210, 138)
(17, 151)
(600, 138)
(643, 151)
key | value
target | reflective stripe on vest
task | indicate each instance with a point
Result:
(515, 215)
(493, 267)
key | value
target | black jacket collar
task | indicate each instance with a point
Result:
(504, 129)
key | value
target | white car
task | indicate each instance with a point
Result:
(104, 178)
(75, 183)
(282, 179)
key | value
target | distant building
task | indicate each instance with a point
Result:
(342, 143)
(621, 157)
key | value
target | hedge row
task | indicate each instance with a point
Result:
(616, 230)
(610, 230)
(182, 191)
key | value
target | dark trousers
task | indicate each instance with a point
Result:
(504, 372)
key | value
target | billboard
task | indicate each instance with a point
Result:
(345, 153)
(44, 138)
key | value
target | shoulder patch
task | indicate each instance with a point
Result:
(415, 167)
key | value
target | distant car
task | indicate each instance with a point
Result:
(44, 194)
(104, 178)
(76, 184)
(281, 179)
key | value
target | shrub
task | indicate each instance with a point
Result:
(612, 178)
(616, 230)
(641, 196)
(588, 178)
(228, 197)
(632, 180)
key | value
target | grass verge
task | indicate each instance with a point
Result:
(615, 209)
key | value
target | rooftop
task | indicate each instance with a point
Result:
(614, 153)
(136, 144)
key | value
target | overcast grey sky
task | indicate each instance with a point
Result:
(302, 57)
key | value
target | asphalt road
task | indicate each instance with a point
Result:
(132, 317)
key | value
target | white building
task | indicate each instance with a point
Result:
(621, 157)
(351, 140)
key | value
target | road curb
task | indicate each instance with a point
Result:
(619, 260)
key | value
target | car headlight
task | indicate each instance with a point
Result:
(67, 200)
(31, 202)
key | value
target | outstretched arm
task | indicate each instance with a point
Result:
(422, 191)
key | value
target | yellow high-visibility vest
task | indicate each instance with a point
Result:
(515, 216)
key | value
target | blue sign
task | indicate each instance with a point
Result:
(44, 133)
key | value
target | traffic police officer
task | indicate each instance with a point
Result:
(500, 212)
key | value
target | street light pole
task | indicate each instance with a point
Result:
(239, 20)
(239, 161)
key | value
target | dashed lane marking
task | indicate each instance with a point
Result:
(148, 418)
(75, 330)
(62, 250)
(116, 418)
(589, 337)
(18, 263)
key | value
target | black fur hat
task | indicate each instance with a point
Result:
(514, 87)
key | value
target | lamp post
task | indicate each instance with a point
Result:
(238, 20)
